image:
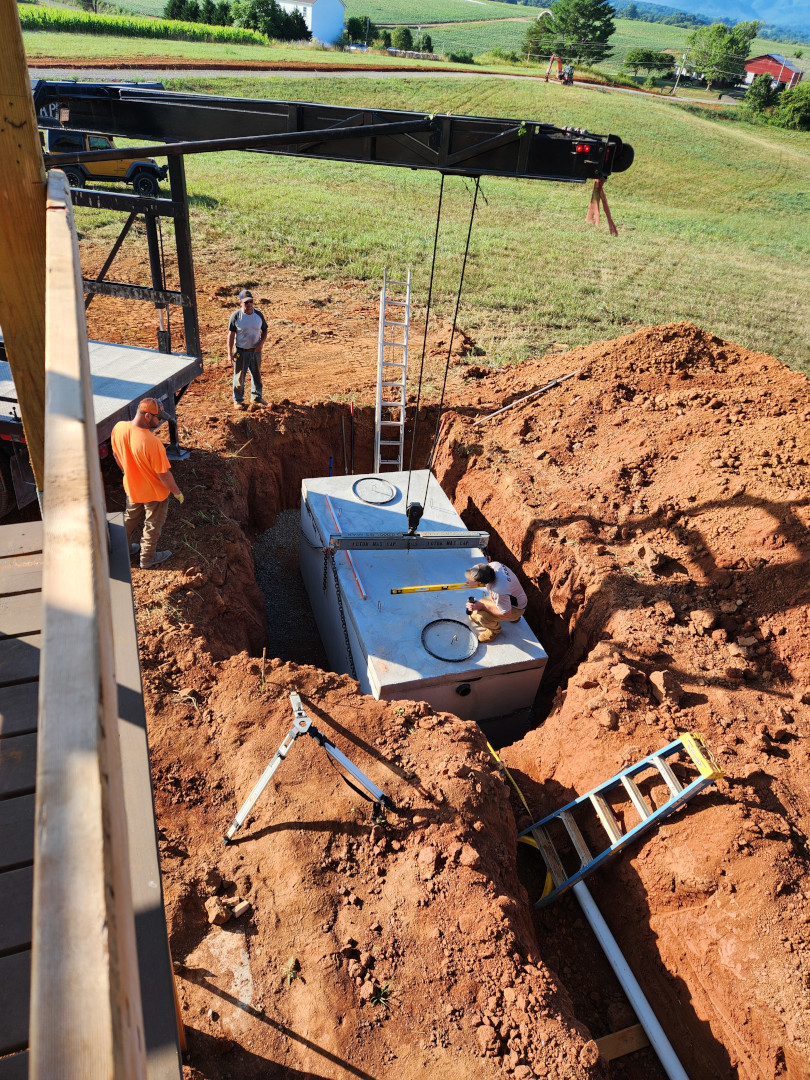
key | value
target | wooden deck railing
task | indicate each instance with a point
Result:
(86, 1021)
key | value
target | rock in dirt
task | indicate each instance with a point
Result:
(218, 913)
(665, 687)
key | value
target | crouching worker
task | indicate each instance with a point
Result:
(505, 600)
(148, 480)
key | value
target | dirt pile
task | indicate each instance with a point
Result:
(656, 508)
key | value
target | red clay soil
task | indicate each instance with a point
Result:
(656, 507)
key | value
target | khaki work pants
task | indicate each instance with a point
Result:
(492, 623)
(153, 517)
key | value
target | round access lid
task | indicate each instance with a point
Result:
(450, 640)
(374, 490)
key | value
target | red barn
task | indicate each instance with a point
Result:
(783, 71)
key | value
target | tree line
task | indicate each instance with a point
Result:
(263, 15)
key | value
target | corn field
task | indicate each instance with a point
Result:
(80, 22)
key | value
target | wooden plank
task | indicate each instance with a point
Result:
(14, 1067)
(86, 1017)
(18, 764)
(19, 659)
(163, 1061)
(18, 708)
(22, 237)
(16, 831)
(20, 573)
(20, 539)
(16, 893)
(622, 1042)
(15, 990)
(20, 614)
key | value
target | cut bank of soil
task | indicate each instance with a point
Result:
(656, 508)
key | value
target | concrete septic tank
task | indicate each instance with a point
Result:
(402, 646)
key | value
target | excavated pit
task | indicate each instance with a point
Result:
(658, 517)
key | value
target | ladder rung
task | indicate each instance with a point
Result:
(636, 798)
(577, 838)
(672, 781)
(390, 461)
(392, 384)
(390, 281)
(395, 345)
(393, 322)
(397, 303)
(550, 856)
(389, 442)
(611, 825)
(394, 423)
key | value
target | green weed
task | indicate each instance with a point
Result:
(292, 971)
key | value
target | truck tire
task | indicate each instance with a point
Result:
(145, 183)
(75, 177)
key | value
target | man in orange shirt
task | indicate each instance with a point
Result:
(148, 480)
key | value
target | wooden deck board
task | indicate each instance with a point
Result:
(15, 990)
(20, 539)
(16, 899)
(19, 659)
(20, 574)
(18, 765)
(14, 1067)
(20, 614)
(16, 831)
(18, 709)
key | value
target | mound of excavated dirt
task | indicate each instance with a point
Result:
(655, 507)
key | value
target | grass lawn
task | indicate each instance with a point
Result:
(714, 220)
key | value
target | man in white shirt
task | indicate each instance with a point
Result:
(505, 600)
(247, 331)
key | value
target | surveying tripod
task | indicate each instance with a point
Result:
(302, 725)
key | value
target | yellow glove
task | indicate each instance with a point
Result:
(179, 496)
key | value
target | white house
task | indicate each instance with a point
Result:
(324, 18)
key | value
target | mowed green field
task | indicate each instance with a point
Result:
(713, 217)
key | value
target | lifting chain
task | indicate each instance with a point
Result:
(342, 615)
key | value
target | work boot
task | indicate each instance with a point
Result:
(134, 549)
(160, 557)
(240, 406)
(487, 635)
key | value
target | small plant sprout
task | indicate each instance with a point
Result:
(382, 996)
(292, 971)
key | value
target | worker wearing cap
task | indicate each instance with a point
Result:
(247, 331)
(148, 480)
(505, 600)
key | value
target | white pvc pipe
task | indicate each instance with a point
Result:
(647, 1018)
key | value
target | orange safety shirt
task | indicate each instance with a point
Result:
(141, 456)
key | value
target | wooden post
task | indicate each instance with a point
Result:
(22, 237)
(86, 1020)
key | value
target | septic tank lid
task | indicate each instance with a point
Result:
(449, 639)
(373, 489)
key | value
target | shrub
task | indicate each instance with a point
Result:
(386, 39)
(793, 108)
(460, 58)
(760, 95)
(402, 38)
(270, 19)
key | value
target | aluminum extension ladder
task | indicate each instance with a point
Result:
(689, 750)
(392, 372)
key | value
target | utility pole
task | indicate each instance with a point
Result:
(22, 238)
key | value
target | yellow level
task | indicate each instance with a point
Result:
(435, 588)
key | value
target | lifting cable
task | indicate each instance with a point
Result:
(424, 338)
(163, 267)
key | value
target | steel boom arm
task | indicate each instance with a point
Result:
(461, 145)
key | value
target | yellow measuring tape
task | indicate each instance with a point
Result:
(549, 885)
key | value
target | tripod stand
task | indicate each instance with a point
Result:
(302, 725)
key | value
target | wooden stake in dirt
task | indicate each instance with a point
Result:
(264, 658)
(22, 238)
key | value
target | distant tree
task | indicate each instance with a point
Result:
(649, 60)
(718, 54)
(424, 43)
(208, 12)
(402, 38)
(793, 108)
(268, 18)
(538, 35)
(359, 28)
(385, 38)
(223, 13)
(174, 9)
(798, 53)
(191, 11)
(761, 96)
(579, 30)
(630, 12)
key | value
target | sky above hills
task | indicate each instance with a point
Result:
(793, 14)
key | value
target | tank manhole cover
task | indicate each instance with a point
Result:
(450, 640)
(371, 489)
